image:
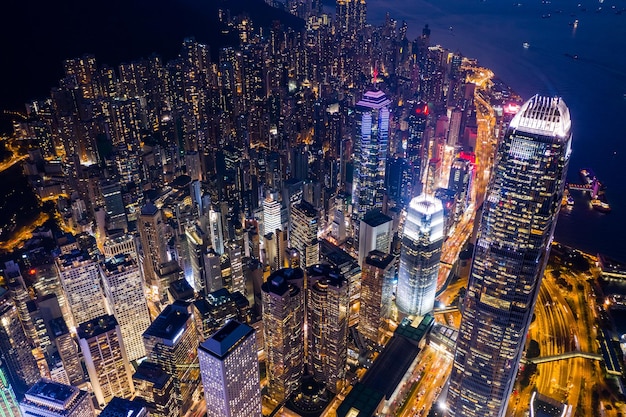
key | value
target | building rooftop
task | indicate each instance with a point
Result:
(335, 255)
(53, 394)
(379, 259)
(153, 373)
(96, 327)
(374, 100)
(362, 401)
(226, 338)
(181, 290)
(149, 209)
(542, 406)
(118, 263)
(375, 218)
(426, 204)
(544, 116)
(120, 407)
(329, 274)
(169, 324)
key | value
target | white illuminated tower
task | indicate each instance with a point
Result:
(110, 372)
(230, 372)
(271, 215)
(519, 216)
(80, 279)
(370, 153)
(124, 291)
(420, 256)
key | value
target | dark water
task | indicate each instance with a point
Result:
(593, 86)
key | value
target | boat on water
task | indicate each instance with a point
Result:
(526, 45)
(596, 190)
(600, 205)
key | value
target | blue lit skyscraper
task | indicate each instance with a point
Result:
(519, 215)
(371, 153)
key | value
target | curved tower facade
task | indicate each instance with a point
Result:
(420, 255)
(519, 215)
(283, 317)
(328, 304)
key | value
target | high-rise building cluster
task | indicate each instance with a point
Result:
(290, 195)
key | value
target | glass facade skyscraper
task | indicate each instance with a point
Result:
(519, 215)
(371, 154)
(420, 255)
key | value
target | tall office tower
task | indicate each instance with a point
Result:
(415, 145)
(15, 352)
(237, 280)
(376, 294)
(216, 231)
(455, 127)
(327, 322)
(420, 255)
(8, 401)
(196, 244)
(110, 372)
(230, 372)
(80, 279)
(304, 220)
(272, 214)
(171, 341)
(375, 233)
(67, 349)
(283, 326)
(51, 399)
(114, 206)
(19, 295)
(156, 388)
(519, 215)
(154, 246)
(350, 269)
(212, 271)
(350, 15)
(459, 182)
(124, 291)
(370, 153)
(122, 243)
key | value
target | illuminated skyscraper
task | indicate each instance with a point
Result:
(171, 341)
(81, 284)
(124, 291)
(350, 15)
(271, 214)
(8, 402)
(230, 372)
(371, 153)
(154, 246)
(416, 120)
(108, 367)
(376, 291)
(51, 399)
(156, 388)
(420, 255)
(327, 321)
(15, 351)
(304, 225)
(283, 325)
(375, 233)
(519, 215)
